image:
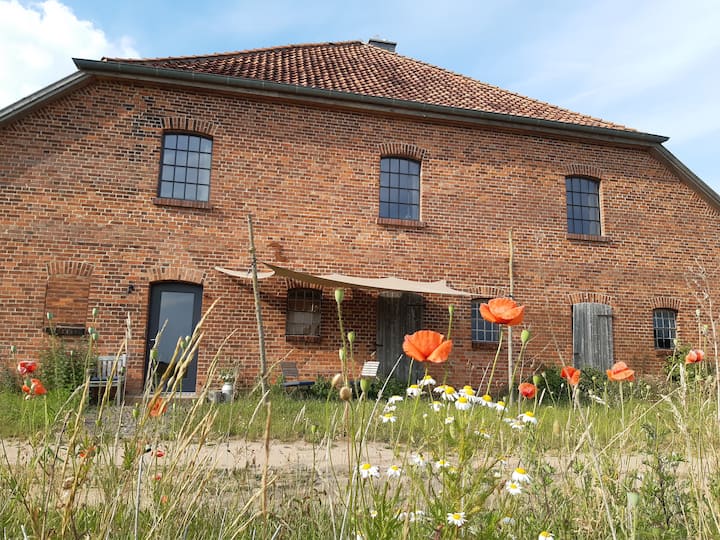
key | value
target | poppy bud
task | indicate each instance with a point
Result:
(13, 349)
(95, 312)
(339, 295)
(632, 499)
(153, 354)
(365, 385)
(49, 316)
(342, 354)
(537, 379)
(697, 312)
(525, 336)
(351, 337)
(451, 309)
(337, 380)
(136, 412)
(345, 393)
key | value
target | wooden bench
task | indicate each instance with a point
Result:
(369, 371)
(291, 377)
(110, 373)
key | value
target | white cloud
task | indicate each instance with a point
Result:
(39, 41)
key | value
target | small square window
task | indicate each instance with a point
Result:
(482, 331)
(664, 328)
(303, 312)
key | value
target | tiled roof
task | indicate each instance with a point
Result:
(365, 69)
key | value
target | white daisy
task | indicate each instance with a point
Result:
(390, 408)
(507, 520)
(436, 406)
(520, 476)
(388, 417)
(418, 459)
(528, 417)
(545, 536)
(499, 406)
(517, 425)
(441, 464)
(456, 518)
(449, 420)
(413, 391)
(373, 514)
(368, 471)
(393, 471)
(394, 399)
(486, 400)
(462, 403)
(449, 393)
(427, 380)
(513, 488)
(412, 517)
(468, 391)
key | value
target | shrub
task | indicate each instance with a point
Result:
(65, 365)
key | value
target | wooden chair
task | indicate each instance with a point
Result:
(291, 377)
(111, 371)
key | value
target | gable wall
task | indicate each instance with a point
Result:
(78, 178)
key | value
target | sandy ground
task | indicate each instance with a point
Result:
(239, 453)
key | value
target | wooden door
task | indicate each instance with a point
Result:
(592, 336)
(398, 314)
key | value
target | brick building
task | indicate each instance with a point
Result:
(127, 185)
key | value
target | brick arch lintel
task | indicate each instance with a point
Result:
(591, 297)
(488, 291)
(666, 302)
(83, 269)
(183, 123)
(577, 169)
(176, 273)
(403, 150)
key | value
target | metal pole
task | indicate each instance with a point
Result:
(258, 312)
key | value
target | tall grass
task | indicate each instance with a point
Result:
(615, 464)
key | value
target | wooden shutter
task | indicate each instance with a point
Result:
(592, 336)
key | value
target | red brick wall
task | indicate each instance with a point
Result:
(78, 178)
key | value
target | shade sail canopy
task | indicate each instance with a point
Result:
(340, 280)
(247, 274)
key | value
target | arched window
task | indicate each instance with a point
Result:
(399, 188)
(185, 167)
(583, 205)
(664, 328)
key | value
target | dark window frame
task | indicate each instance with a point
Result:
(399, 196)
(482, 331)
(302, 301)
(664, 328)
(185, 166)
(583, 205)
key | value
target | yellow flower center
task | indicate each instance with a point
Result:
(365, 467)
(457, 516)
(520, 470)
(530, 414)
(449, 390)
(487, 398)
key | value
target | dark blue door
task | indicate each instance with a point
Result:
(177, 307)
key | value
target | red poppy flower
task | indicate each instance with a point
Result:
(694, 356)
(159, 453)
(502, 311)
(427, 346)
(620, 372)
(87, 452)
(527, 390)
(157, 406)
(26, 388)
(26, 366)
(571, 375)
(37, 388)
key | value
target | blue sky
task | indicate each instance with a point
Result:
(650, 65)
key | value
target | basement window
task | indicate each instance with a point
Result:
(303, 313)
(664, 328)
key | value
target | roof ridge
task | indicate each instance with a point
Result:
(234, 53)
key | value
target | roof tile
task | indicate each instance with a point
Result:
(365, 69)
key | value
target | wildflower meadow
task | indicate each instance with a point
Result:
(566, 453)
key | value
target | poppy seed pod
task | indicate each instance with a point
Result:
(337, 380)
(345, 393)
(351, 337)
(451, 309)
(13, 349)
(95, 312)
(524, 336)
(342, 354)
(364, 385)
(339, 295)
